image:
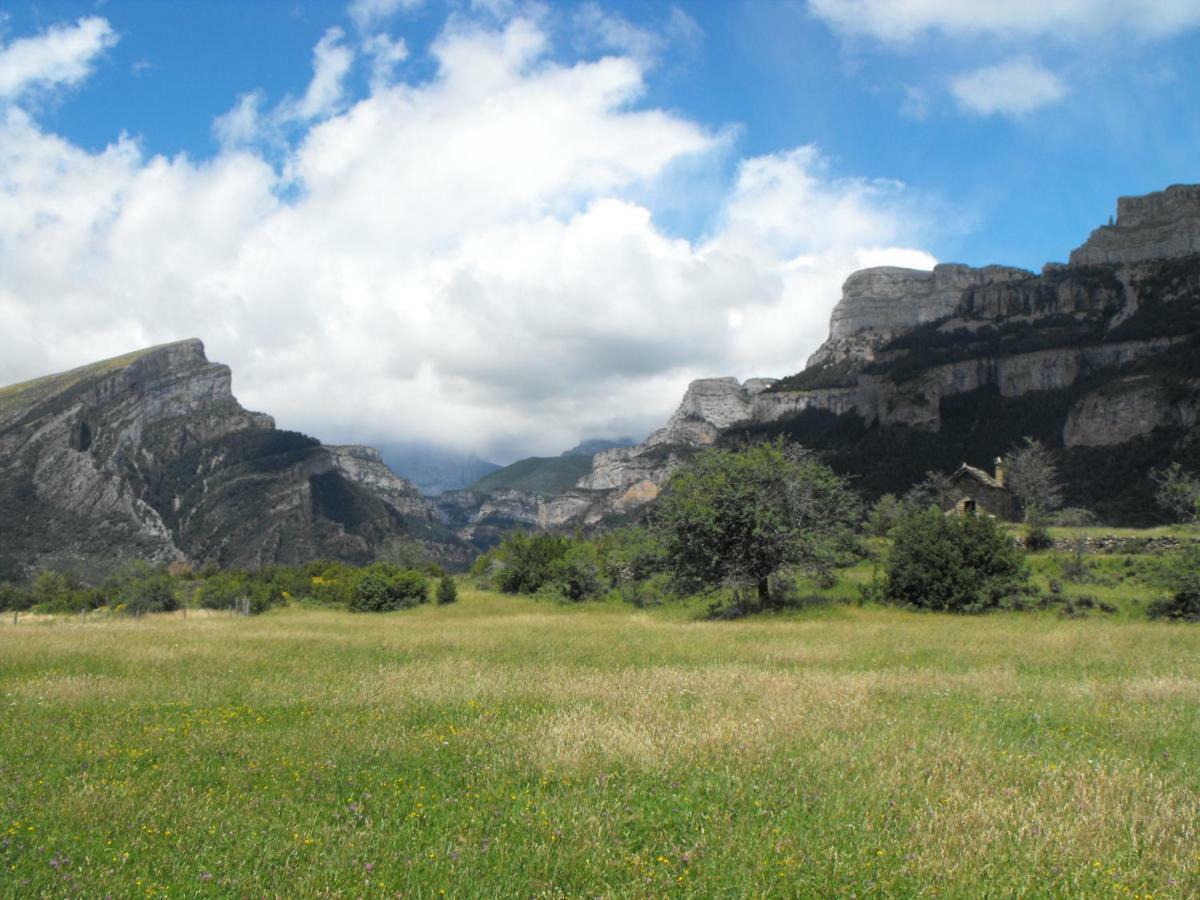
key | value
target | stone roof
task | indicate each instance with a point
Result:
(979, 475)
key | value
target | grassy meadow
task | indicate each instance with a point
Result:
(509, 747)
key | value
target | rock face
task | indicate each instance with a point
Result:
(150, 456)
(1162, 225)
(882, 303)
(1103, 352)
(710, 406)
(365, 466)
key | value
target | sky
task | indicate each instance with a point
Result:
(503, 227)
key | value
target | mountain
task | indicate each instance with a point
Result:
(542, 475)
(435, 470)
(592, 446)
(150, 456)
(1098, 358)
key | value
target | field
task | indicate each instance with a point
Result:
(509, 747)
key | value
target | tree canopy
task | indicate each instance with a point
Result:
(738, 517)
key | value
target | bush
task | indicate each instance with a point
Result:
(223, 590)
(577, 573)
(884, 516)
(1180, 575)
(630, 554)
(1178, 492)
(149, 593)
(1037, 537)
(952, 563)
(382, 588)
(13, 598)
(528, 561)
(447, 592)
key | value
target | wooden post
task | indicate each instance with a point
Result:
(16, 612)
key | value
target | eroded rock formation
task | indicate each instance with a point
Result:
(149, 456)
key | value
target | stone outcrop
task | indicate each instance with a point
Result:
(882, 303)
(365, 466)
(1129, 408)
(149, 456)
(709, 406)
(1161, 225)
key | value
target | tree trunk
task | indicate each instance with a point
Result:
(764, 593)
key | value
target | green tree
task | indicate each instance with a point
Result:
(447, 592)
(884, 515)
(1031, 473)
(528, 561)
(1178, 492)
(936, 489)
(577, 572)
(738, 517)
(953, 563)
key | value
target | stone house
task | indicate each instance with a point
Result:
(978, 493)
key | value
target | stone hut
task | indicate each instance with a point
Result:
(978, 493)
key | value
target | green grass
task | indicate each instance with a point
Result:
(504, 747)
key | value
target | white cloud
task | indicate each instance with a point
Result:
(61, 56)
(899, 21)
(367, 13)
(610, 31)
(385, 55)
(461, 260)
(326, 92)
(242, 125)
(1013, 88)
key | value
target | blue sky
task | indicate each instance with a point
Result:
(347, 171)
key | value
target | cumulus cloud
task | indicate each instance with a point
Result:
(458, 260)
(61, 56)
(1016, 87)
(898, 21)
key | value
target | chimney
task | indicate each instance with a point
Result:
(1000, 470)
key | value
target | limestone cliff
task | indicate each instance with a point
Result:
(150, 456)
(1162, 225)
(1101, 355)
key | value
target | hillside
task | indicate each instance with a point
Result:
(542, 475)
(150, 456)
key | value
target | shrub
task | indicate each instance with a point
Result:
(884, 516)
(528, 561)
(382, 587)
(952, 563)
(630, 554)
(1037, 537)
(1178, 492)
(223, 590)
(1180, 575)
(149, 593)
(447, 592)
(13, 598)
(577, 572)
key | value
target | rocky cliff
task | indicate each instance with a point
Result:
(1099, 357)
(150, 456)
(1162, 225)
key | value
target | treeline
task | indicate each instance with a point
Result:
(739, 526)
(142, 589)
